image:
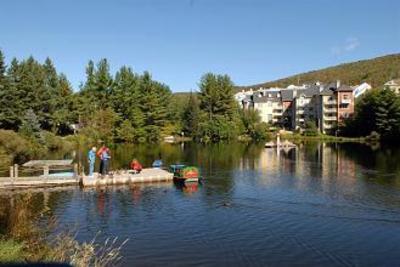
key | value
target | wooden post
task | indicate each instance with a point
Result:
(76, 169)
(76, 172)
(15, 170)
(46, 171)
(11, 171)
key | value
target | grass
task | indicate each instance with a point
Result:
(322, 137)
(11, 251)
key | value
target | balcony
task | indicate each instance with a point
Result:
(330, 118)
(345, 101)
(328, 126)
(330, 110)
(330, 102)
(277, 111)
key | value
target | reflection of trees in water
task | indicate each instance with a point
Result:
(381, 165)
(20, 212)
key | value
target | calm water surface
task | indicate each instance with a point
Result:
(319, 205)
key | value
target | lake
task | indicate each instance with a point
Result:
(322, 204)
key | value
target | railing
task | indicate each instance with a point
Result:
(330, 102)
(31, 177)
(330, 110)
(345, 101)
(330, 118)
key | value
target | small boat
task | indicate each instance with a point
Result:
(270, 144)
(183, 173)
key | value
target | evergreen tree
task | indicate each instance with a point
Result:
(377, 111)
(2, 71)
(10, 99)
(153, 101)
(219, 111)
(30, 126)
(191, 116)
(103, 82)
(126, 132)
(63, 115)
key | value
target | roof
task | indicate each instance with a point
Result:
(42, 163)
(287, 95)
(265, 99)
(393, 82)
(345, 88)
(326, 91)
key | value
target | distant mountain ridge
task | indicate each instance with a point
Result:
(376, 71)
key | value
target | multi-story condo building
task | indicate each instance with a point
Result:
(304, 106)
(269, 105)
(325, 105)
(393, 85)
(335, 104)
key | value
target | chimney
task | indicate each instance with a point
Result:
(337, 84)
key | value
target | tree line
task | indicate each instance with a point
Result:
(377, 112)
(124, 107)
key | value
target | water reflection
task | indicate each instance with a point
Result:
(320, 204)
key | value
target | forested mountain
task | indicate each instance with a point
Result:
(374, 71)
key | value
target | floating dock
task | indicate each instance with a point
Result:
(150, 175)
(65, 173)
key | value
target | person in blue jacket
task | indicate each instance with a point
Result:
(92, 160)
(158, 163)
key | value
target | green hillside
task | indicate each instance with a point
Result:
(374, 71)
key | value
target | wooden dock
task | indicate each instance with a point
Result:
(149, 175)
(69, 176)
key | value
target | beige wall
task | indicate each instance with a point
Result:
(345, 105)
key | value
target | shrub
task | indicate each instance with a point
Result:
(20, 148)
(311, 129)
(54, 142)
(11, 251)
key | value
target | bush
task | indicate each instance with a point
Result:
(11, 251)
(311, 129)
(261, 132)
(54, 142)
(20, 148)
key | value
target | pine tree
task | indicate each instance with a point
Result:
(2, 71)
(63, 114)
(10, 100)
(191, 116)
(153, 101)
(219, 111)
(30, 126)
(103, 82)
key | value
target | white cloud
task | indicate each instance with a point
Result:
(349, 45)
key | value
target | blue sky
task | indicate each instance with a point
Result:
(179, 40)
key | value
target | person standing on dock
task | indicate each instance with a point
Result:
(105, 159)
(99, 152)
(92, 160)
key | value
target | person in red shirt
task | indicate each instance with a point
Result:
(136, 166)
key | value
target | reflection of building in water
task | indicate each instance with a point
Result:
(268, 161)
(323, 161)
(336, 165)
(346, 167)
